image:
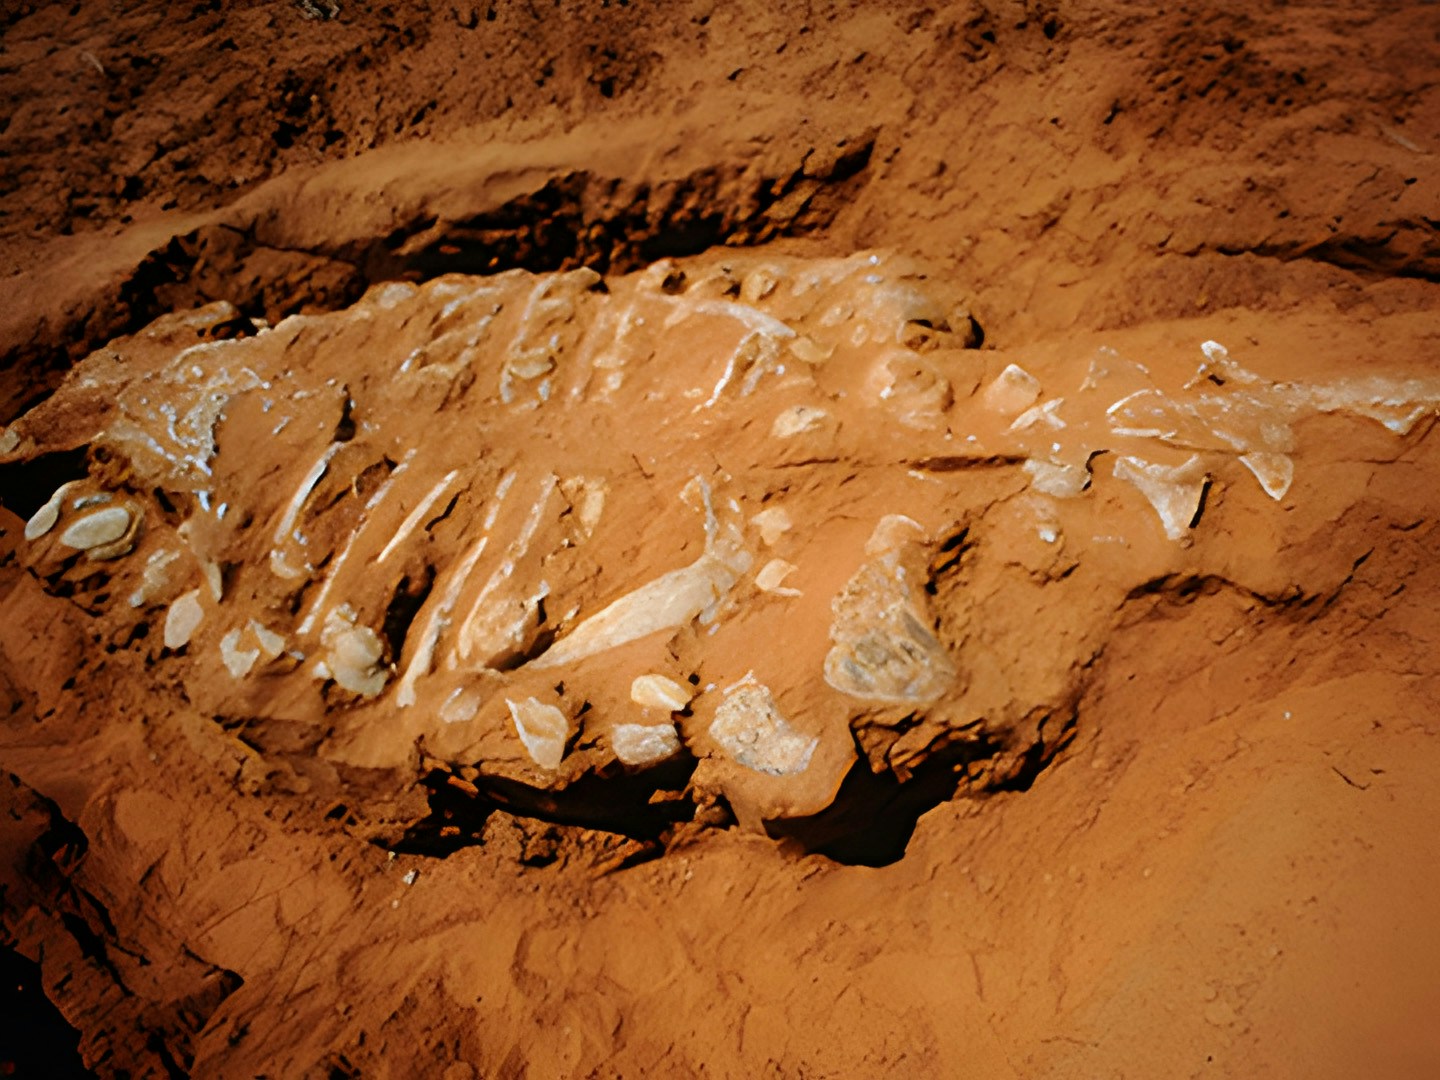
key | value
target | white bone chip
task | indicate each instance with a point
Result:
(773, 524)
(355, 661)
(542, 728)
(1175, 493)
(182, 619)
(883, 650)
(238, 661)
(461, 706)
(660, 692)
(1057, 479)
(1013, 391)
(891, 532)
(44, 519)
(796, 420)
(644, 744)
(271, 643)
(772, 574)
(1275, 472)
(1046, 415)
(213, 579)
(102, 527)
(156, 578)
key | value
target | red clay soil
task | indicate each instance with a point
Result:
(1223, 864)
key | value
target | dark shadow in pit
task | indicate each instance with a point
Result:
(873, 817)
(25, 486)
(642, 806)
(35, 1040)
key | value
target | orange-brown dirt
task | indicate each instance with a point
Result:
(1192, 830)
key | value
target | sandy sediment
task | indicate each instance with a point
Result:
(645, 542)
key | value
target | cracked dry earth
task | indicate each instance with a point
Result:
(694, 541)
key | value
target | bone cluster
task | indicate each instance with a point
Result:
(545, 524)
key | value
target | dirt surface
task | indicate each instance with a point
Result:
(1103, 749)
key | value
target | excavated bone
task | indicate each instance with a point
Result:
(772, 574)
(660, 692)
(1275, 472)
(757, 355)
(462, 706)
(808, 351)
(670, 601)
(773, 524)
(1013, 391)
(882, 649)
(892, 532)
(44, 519)
(94, 530)
(237, 661)
(797, 420)
(412, 519)
(758, 284)
(1045, 415)
(1057, 479)
(915, 391)
(182, 620)
(271, 643)
(644, 744)
(665, 603)
(156, 579)
(749, 727)
(586, 496)
(285, 531)
(1149, 414)
(1175, 492)
(498, 618)
(214, 579)
(354, 654)
(501, 503)
(1220, 368)
(542, 728)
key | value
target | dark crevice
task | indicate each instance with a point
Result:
(645, 806)
(405, 603)
(35, 1040)
(958, 463)
(1185, 588)
(25, 486)
(874, 815)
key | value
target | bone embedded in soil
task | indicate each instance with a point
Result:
(767, 515)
